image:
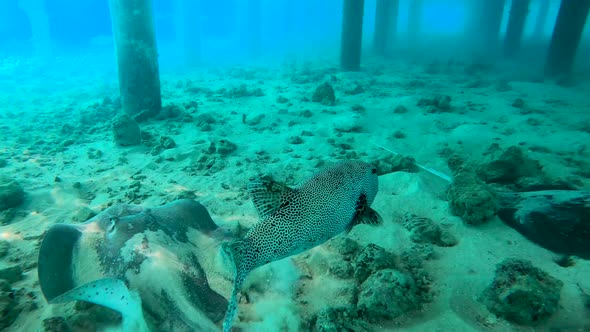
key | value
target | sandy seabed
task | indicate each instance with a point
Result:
(57, 142)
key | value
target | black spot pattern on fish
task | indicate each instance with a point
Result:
(318, 210)
(296, 220)
(361, 205)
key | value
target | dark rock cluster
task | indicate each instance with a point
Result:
(425, 230)
(514, 170)
(126, 130)
(471, 199)
(395, 163)
(339, 319)
(14, 299)
(175, 112)
(11, 196)
(473, 194)
(9, 304)
(243, 91)
(11, 193)
(387, 287)
(324, 94)
(436, 104)
(522, 293)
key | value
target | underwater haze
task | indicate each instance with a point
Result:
(283, 165)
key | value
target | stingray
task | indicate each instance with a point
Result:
(128, 258)
(557, 220)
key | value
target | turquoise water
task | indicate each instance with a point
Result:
(143, 170)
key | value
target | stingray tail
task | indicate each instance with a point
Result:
(425, 168)
(237, 251)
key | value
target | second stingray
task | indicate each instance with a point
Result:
(148, 249)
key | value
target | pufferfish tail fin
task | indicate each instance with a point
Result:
(238, 252)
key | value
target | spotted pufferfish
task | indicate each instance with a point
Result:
(293, 220)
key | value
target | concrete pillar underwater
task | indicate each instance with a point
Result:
(253, 28)
(490, 14)
(414, 21)
(137, 57)
(187, 26)
(39, 22)
(352, 35)
(541, 20)
(312, 46)
(386, 12)
(518, 14)
(290, 37)
(566, 37)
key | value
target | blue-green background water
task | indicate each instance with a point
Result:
(459, 134)
(286, 26)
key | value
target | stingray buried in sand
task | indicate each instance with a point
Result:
(152, 250)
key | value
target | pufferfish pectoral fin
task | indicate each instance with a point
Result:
(367, 216)
(268, 195)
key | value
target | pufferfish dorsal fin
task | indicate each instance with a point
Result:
(268, 195)
(364, 214)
